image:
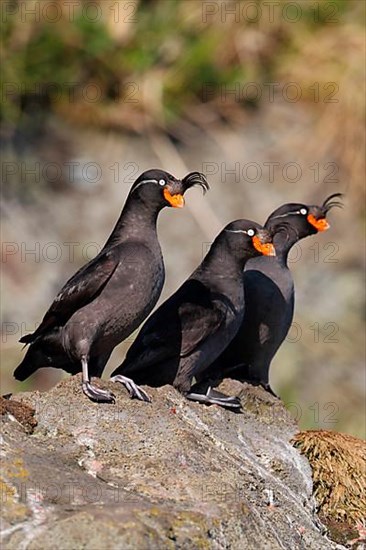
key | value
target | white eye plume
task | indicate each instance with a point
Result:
(146, 181)
(303, 211)
(250, 232)
(143, 183)
(236, 231)
(162, 182)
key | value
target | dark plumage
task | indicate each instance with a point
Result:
(269, 296)
(107, 299)
(196, 323)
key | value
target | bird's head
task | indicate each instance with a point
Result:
(159, 188)
(303, 219)
(249, 239)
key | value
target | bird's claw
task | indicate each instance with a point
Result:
(268, 388)
(97, 394)
(133, 389)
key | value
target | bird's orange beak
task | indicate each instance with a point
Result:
(264, 248)
(177, 201)
(321, 224)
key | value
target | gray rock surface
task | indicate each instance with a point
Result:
(167, 475)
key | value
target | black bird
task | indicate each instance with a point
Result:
(107, 299)
(269, 296)
(188, 331)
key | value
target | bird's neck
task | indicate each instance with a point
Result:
(283, 242)
(137, 221)
(220, 262)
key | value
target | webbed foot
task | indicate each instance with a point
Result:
(97, 394)
(133, 389)
(213, 397)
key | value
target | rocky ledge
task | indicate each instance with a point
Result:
(170, 474)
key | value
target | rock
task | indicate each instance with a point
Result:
(172, 474)
(20, 412)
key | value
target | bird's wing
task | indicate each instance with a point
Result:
(261, 296)
(80, 290)
(201, 321)
(269, 303)
(178, 326)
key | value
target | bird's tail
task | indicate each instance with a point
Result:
(44, 353)
(27, 338)
(33, 360)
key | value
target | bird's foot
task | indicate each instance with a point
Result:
(133, 389)
(213, 397)
(97, 394)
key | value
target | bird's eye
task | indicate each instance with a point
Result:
(251, 232)
(161, 182)
(303, 211)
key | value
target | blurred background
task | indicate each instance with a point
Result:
(266, 98)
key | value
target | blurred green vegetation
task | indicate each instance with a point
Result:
(156, 65)
(169, 49)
